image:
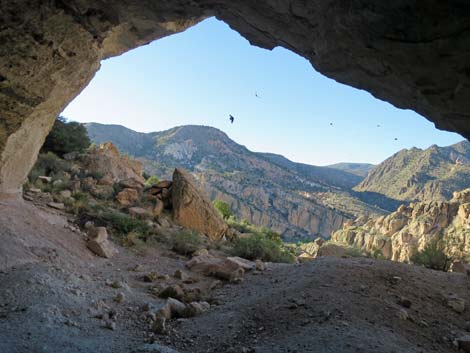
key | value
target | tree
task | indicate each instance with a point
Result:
(223, 208)
(66, 137)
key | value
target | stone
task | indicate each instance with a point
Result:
(139, 212)
(102, 191)
(99, 244)
(132, 183)
(196, 308)
(45, 179)
(209, 265)
(71, 156)
(66, 194)
(158, 208)
(173, 308)
(172, 291)
(34, 190)
(405, 302)
(329, 249)
(106, 180)
(56, 205)
(127, 197)
(247, 265)
(403, 314)
(455, 303)
(119, 298)
(192, 209)
(159, 325)
(164, 184)
(460, 267)
(181, 276)
(260, 265)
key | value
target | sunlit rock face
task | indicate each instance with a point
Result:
(413, 54)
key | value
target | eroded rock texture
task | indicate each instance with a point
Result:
(412, 54)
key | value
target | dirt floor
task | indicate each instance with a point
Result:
(55, 296)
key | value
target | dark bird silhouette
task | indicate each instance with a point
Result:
(396, 139)
(231, 118)
(378, 125)
(331, 124)
(256, 95)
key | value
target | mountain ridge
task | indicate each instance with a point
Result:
(296, 199)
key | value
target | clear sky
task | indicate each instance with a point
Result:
(204, 74)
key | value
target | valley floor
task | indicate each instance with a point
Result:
(53, 293)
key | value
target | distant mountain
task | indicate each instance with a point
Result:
(297, 200)
(359, 169)
(420, 175)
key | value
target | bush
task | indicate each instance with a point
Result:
(223, 208)
(66, 137)
(151, 180)
(432, 256)
(185, 242)
(47, 164)
(123, 224)
(262, 248)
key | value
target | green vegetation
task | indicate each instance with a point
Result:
(260, 247)
(432, 256)
(48, 164)
(66, 137)
(123, 224)
(185, 242)
(151, 180)
(223, 208)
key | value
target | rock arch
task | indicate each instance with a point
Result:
(413, 54)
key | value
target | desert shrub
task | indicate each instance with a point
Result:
(185, 242)
(66, 137)
(432, 256)
(223, 208)
(123, 224)
(47, 164)
(151, 180)
(262, 248)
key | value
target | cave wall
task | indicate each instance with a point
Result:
(415, 55)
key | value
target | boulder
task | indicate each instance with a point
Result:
(247, 265)
(127, 197)
(106, 160)
(192, 209)
(331, 250)
(106, 180)
(45, 179)
(164, 184)
(139, 212)
(66, 194)
(98, 242)
(464, 343)
(455, 303)
(102, 191)
(56, 205)
(158, 208)
(196, 308)
(132, 183)
(173, 291)
(210, 265)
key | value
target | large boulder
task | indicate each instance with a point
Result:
(192, 209)
(106, 160)
(98, 243)
(127, 197)
(221, 268)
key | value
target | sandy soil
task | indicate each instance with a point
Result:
(55, 296)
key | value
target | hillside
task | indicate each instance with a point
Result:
(420, 175)
(295, 199)
(359, 169)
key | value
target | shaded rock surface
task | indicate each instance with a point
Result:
(192, 209)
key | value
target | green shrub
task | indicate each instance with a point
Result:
(151, 180)
(223, 208)
(432, 256)
(185, 242)
(47, 164)
(262, 248)
(123, 224)
(66, 137)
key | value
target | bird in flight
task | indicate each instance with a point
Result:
(396, 139)
(231, 118)
(378, 125)
(331, 124)
(256, 95)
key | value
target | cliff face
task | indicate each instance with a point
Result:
(408, 229)
(297, 200)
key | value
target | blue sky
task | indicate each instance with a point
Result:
(204, 74)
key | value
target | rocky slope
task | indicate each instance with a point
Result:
(410, 228)
(295, 199)
(420, 175)
(359, 169)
